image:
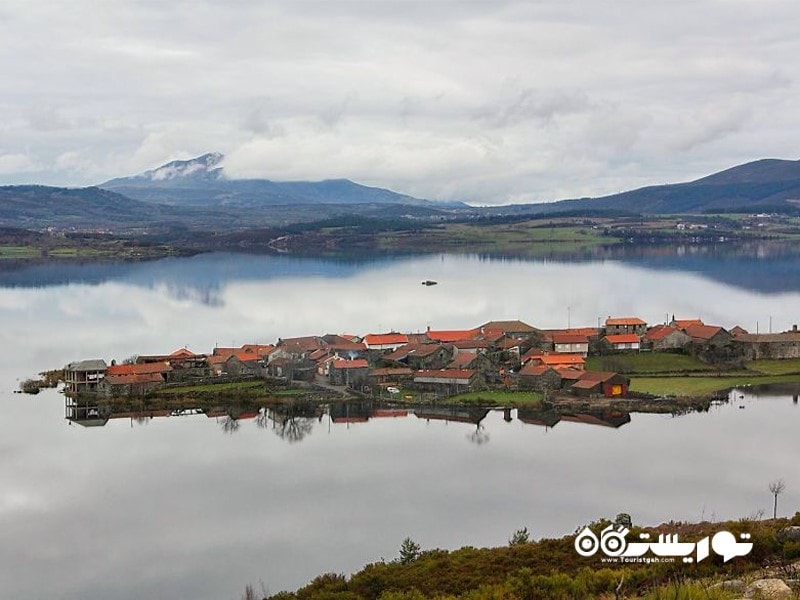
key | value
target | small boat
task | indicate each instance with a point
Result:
(429, 282)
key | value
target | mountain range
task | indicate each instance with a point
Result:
(197, 194)
(202, 182)
(767, 184)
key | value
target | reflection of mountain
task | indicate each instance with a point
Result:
(200, 278)
(770, 267)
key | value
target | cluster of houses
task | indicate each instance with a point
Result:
(497, 354)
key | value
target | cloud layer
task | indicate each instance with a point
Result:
(484, 102)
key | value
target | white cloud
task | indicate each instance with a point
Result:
(483, 101)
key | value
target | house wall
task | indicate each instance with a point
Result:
(767, 350)
(582, 349)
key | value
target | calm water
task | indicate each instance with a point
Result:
(183, 507)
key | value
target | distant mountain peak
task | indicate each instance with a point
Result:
(205, 166)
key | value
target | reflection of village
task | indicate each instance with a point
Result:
(505, 355)
(293, 422)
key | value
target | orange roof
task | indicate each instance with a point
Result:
(623, 338)
(359, 363)
(243, 355)
(684, 323)
(138, 369)
(624, 321)
(261, 350)
(455, 335)
(560, 359)
(382, 339)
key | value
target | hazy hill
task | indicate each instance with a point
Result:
(202, 182)
(38, 206)
(766, 184)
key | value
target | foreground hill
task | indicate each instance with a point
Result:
(552, 569)
(762, 186)
(202, 182)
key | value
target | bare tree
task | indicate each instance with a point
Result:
(776, 488)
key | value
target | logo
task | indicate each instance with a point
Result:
(613, 543)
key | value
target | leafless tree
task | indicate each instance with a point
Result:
(776, 488)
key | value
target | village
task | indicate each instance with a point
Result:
(497, 355)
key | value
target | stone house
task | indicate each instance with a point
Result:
(351, 373)
(539, 378)
(625, 325)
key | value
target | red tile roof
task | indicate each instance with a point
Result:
(133, 378)
(623, 338)
(456, 335)
(462, 361)
(569, 338)
(470, 344)
(567, 373)
(260, 350)
(587, 331)
(506, 326)
(703, 332)
(684, 323)
(413, 349)
(138, 369)
(597, 376)
(531, 370)
(385, 339)
(182, 353)
(659, 332)
(359, 363)
(623, 321)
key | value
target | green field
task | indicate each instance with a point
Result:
(214, 387)
(498, 398)
(647, 362)
(497, 237)
(700, 386)
(19, 252)
(775, 367)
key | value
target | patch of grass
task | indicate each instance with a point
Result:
(214, 387)
(19, 252)
(647, 362)
(700, 386)
(498, 397)
(290, 392)
(775, 367)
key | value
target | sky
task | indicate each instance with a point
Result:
(486, 102)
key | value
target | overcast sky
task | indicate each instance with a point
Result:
(488, 102)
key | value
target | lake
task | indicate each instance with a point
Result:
(189, 506)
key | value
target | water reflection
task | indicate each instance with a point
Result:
(765, 266)
(193, 501)
(295, 421)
